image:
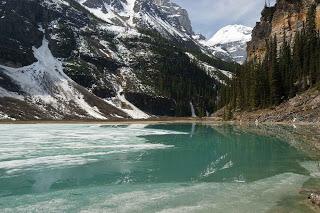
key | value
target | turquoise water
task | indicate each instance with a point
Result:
(140, 168)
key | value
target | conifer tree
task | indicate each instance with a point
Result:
(311, 36)
(285, 71)
(276, 81)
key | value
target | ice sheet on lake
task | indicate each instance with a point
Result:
(261, 196)
(69, 145)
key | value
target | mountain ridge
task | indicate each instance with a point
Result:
(110, 60)
(230, 42)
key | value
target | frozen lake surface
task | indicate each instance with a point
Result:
(154, 168)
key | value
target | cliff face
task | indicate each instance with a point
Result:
(286, 17)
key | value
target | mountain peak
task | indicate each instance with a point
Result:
(231, 33)
(230, 43)
(164, 16)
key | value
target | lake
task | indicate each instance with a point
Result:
(155, 168)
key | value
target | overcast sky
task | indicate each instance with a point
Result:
(208, 16)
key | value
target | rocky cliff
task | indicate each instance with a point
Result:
(285, 18)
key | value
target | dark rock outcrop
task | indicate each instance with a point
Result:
(159, 106)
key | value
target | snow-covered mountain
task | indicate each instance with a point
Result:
(230, 42)
(45, 90)
(103, 59)
(164, 16)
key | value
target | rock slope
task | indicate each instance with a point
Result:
(304, 108)
(43, 90)
(285, 18)
(120, 58)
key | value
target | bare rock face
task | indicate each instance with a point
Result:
(145, 14)
(179, 18)
(285, 18)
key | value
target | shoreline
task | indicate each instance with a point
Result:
(117, 121)
(161, 120)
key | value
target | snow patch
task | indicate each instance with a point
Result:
(229, 34)
(121, 102)
(9, 94)
(56, 3)
(45, 83)
(130, 10)
(210, 70)
(5, 117)
(163, 26)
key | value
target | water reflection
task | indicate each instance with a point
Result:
(196, 153)
(222, 153)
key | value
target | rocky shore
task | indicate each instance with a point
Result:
(302, 109)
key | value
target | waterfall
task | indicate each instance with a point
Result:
(208, 114)
(193, 113)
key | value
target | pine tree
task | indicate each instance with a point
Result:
(285, 67)
(276, 81)
(311, 35)
(282, 74)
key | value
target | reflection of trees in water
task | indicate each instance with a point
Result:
(221, 153)
(213, 153)
(305, 138)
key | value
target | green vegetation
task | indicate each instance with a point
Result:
(285, 71)
(175, 76)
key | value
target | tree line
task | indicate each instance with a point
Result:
(174, 75)
(286, 70)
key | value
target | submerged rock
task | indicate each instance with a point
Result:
(315, 198)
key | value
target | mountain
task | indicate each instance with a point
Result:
(103, 59)
(230, 42)
(165, 17)
(284, 19)
(280, 82)
(44, 84)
